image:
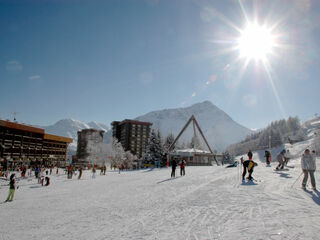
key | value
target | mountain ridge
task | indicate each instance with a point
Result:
(218, 127)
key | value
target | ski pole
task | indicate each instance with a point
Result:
(296, 180)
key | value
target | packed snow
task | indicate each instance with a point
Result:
(207, 203)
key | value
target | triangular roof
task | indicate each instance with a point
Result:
(195, 124)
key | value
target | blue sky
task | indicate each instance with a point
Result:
(110, 60)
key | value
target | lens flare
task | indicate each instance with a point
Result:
(256, 42)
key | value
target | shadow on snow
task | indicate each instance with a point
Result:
(166, 180)
(248, 183)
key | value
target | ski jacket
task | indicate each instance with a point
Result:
(267, 154)
(174, 164)
(308, 162)
(12, 184)
(182, 164)
(280, 158)
(249, 164)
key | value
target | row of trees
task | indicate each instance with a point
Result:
(113, 153)
(276, 134)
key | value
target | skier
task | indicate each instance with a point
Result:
(93, 172)
(308, 165)
(250, 155)
(80, 172)
(182, 168)
(286, 157)
(173, 167)
(235, 164)
(47, 179)
(12, 187)
(69, 172)
(248, 164)
(280, 158)
(36, 172)
(267, 156)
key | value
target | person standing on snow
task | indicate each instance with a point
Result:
(267, 156)
(286, 157)
(281, 160)
(249, 155)
(47, 179)
(308, 165)
(182, 168)
(93, 172)
(80, 173)
(248, 165)
(173, 167)
(36, 172)
(12, 187)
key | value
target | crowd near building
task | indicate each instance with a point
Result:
(132, 134)
(24, 144)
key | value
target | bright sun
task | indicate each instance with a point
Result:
(255, 42)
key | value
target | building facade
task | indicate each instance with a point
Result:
(89, 147)
(132, 134)
(20, 143)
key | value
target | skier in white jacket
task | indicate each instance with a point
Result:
(308, 165)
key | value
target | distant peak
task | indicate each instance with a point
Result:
(203, 105)
(68, 120)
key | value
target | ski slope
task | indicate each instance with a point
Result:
(207, 203)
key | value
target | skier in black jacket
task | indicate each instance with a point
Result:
(248, 164)
(173, 166)
(267, 156)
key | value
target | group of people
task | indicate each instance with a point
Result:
(308, 165)
(174, 165)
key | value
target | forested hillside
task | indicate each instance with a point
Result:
(276, 134)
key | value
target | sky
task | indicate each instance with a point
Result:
(109, 60)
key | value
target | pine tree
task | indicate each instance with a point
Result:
(117, 154)
(168, 141)
(154, 150)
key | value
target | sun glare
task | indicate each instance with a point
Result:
(255, 42)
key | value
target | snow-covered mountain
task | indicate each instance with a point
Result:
(70, 127)
(219, 128)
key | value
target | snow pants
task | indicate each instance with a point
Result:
(11, 194)
(280, 165)
(173, 172)
(245, 172)
(305, 178)
(182, 172)
(268, 160)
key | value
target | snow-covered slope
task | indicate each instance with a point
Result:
(70, 127)
(206, 203)
(219, 129)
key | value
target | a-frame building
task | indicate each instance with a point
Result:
(193, 156)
